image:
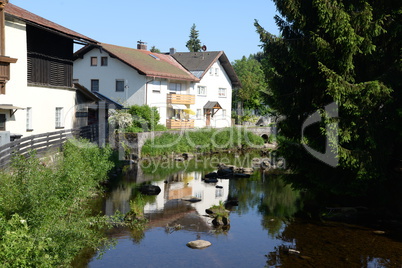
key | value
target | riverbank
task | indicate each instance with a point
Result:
(206, 140)
(44, 217)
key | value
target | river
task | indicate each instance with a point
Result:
(265, 229)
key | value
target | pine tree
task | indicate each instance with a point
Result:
(347, 52)
(194, 44)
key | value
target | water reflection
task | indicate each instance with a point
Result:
(263, 227)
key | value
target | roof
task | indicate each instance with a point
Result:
(36, 20)
(96, 96)
(145, 62)
(198, 63)
(88, 94)
(212, 105)
(116, 105)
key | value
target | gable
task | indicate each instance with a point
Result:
(199, 63)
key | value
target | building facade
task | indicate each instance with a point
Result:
(39, 95)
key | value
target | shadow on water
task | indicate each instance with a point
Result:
(266, 228)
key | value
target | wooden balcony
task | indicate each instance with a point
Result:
(180, 99)
(179, 123)
(5, 72)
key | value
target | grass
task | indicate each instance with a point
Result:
(202, 141)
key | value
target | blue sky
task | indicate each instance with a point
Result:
(222, 24)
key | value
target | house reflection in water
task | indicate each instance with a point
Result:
(169, 208)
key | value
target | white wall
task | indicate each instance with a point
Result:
(213, 83)
(42, 100)
(159, 99)
(134, 92)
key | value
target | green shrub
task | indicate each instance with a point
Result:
(44, 220)
(144, 117)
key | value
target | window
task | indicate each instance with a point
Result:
(94, 85)
(202, 90)
(198, 114)
(2, 122)
(119, 85)
(211, 71)
(156, 86)
(104, 61)
(94, 61)
(216, 71)
(59, 117)
(222, 93)
(174, 87)
(29, 119)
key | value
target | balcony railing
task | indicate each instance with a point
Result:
(180, 99)
(179, 123)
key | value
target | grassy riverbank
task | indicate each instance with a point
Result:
(201, 141)
(44, 220)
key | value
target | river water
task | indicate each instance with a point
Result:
(263, 231)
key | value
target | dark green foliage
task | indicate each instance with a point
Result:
(44, 221)
(145, 118)
(347, 52)
(194, 44)
(155, 50)
(203, 140)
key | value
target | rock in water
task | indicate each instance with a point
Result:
(198, 244)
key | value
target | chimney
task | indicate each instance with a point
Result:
(141, 45)
(172, 51)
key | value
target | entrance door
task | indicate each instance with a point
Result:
(208, 117)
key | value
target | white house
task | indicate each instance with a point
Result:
(137, 76)
(213, 93)
(36, 66)
(189, 89)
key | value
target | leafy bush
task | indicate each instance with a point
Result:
(44, 221)
(144, 117)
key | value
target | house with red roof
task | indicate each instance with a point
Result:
(189, 90)
(37, 94)
(138, 76)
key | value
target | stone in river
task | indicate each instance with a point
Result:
(199, 244)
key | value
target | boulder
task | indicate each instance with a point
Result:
(149, 189)
(199, 244)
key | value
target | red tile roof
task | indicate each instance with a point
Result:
(150, 64)
(35, 19)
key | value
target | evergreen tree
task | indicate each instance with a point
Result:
(154, 50)
(194, 44)
(347, 52)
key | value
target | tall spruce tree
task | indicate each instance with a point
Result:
(347, 52)
(194, 44)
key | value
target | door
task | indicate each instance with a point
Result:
(208, 117)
